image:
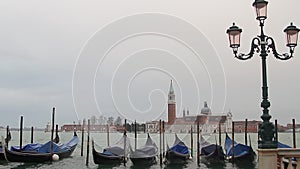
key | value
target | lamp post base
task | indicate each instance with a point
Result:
(267, 145)
(266, 136)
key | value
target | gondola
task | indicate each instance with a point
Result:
(42, 154)
(212, 153)
(241, 152)
(113, 154)
(146, 155)
(178, 154)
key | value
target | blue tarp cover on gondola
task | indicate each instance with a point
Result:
(180, 149)
(28, 147)
(45, 148)
(108, 153)
(208, 149)
(179, 146)
(57, 148)
(281, 145)
(239, 149)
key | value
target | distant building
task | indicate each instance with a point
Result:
(71, 127)
(290, 126)
(252, 127)
(281, 128)
(48, 127)
(208, 123)
(96, 128)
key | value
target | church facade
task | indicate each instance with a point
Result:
(208, 122)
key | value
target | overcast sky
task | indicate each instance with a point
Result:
(117, 58)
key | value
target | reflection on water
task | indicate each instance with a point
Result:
(26, 165)
(109, 166)
(220, 165)
(244, 165)
(139, 166)
(177, 166)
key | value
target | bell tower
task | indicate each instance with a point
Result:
(171, 105)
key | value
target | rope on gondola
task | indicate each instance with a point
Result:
(97, 146)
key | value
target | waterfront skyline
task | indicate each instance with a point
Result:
(42, 42)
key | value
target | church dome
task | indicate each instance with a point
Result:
(206, 110)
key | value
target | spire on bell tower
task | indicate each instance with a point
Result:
(171, 97)
(171, 91)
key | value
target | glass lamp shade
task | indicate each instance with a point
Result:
(291, 35)
(234, 34)
(261, 9)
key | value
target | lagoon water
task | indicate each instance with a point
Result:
(78, 162)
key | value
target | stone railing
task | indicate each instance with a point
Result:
(286, 158)
(280, 158)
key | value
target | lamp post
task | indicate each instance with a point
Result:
(262, 44)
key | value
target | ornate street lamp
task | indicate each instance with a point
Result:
(262, 44)
(261, 9)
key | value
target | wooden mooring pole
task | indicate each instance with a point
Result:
(88, 143)
(276, 130)
(246, 131)
(125, 136)
(56, 139)
(232, 149)
(294, 133)
(52, 131)
(21, 132)
(192, 143)
(82, 137)
(160, 145)
(107, 131)
(198, 143)
(135, 136)
(163, 138)
(8, 136)
(31, 138)
(220, 134)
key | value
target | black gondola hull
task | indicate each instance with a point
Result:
(13, 156)
(144, 161)
(215, 156)
(31, 157)
(100, 158)
(2, 158)
(249, 157)
(176, 158)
